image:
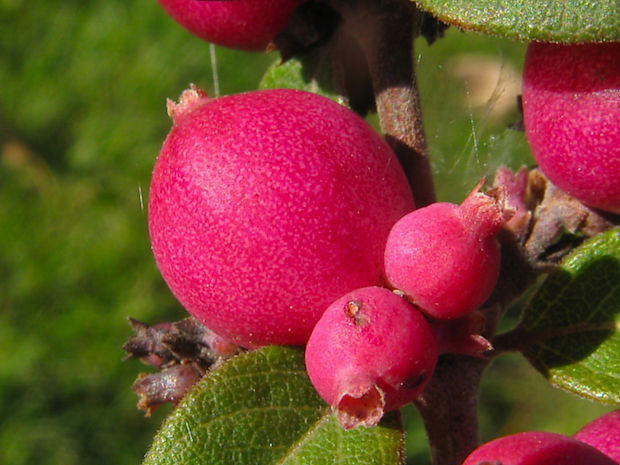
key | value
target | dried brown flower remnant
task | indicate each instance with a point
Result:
(183, 351)
(169, 385)
(548, 223)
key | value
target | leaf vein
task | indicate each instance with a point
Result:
(304, 438)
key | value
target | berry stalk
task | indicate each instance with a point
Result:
(385, 31)
(449, 408)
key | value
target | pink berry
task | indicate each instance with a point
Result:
(571, 112)
(444, 257)
(371, 352)
(604, 434)
(537, 448)
(266, 206)
(241, 24)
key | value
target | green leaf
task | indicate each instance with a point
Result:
(565, 21)
(309, 72)
(573, 321)
(260, 408)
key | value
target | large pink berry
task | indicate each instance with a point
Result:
(604, 434)
(571, 112)
(537, 448)
(267, 206)
(370, 352)
(241, 24)
(444, 257)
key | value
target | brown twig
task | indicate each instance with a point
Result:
(385, 31)
(449, 408)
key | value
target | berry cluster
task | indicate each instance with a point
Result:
(266, 207)
(281, 217)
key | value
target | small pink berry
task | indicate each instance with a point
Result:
(537, 448)
(264, 207)
(242, 24)
(571, 113)
(371, 352)
(604, 434)
(444, 257)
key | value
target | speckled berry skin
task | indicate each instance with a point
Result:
(444, 257)
(241, 24)
(266, 206)
(371, 352)
(604, 434)
(571, 113)
(537, 448)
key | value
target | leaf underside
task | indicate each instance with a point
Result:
(564, 21)
(260, 408)
(574, 320)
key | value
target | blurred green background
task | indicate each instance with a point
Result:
(82, 116)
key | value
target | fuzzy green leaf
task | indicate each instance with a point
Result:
(260, 408)
(565, 21)
(573, 321)
(308, 72)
